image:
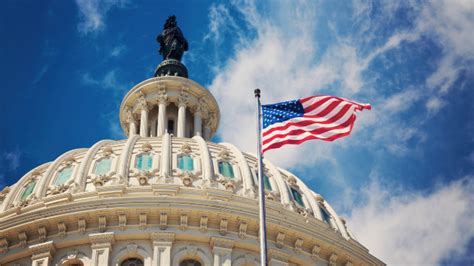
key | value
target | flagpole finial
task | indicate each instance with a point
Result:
(257, 93)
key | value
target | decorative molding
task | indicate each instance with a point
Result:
(62, 229)
(243, 230)
(101, 240)
(183, 222)
(146, 147)
(142, 221)
(102, 223)
(3, 245)
(203, 224)
(223, 227)
(185, 148)
(141, 102)
(162, 96)
(163, 221)
(81, 225)
(42, 233)
(348, 263)
(298, 245)
(183, 98)
(333, 259)
(280, 240)
(315, 252)
(23, 239)
(221, 242)
(162, 237)
(4, 193)
(122, 221)
(42, 250)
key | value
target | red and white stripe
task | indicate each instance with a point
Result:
(325, 117)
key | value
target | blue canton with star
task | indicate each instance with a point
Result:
(280, 112)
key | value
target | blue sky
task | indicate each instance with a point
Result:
(404, 178)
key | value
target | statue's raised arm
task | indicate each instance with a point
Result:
(171, 40)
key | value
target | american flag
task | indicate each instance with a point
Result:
(317, 117)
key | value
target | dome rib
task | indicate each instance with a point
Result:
(42, 185)
(244, 168)
(207, 170)
(124, 159)
(81, 178)
(284, 194)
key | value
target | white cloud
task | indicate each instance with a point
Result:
(12, 159)
(415, 228)
(118, 50)
(92, 14)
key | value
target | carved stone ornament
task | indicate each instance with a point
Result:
(280, 240)
(141, 102)
(185, 148)
(224, 155)
(3, 245)
(183, 98)
(298, 245)
(68, 162)
(187, 178)
(319, 199)
(23, 239)
(162, 96)
(315, 252)
(203, 224)
(242, 230)
(129, 118)
(4, 193)
(292, 181)
(146, 147)
(54, 190)
(107, 151)
(101, 180)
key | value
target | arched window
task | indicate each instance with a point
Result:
(185, 162)
(144, 161)
(63, 176)
(325, 215)
(225, 169)
(266, 181)
(28, 190)
(132, 262)
(102, 166)
(297, 196)
(190, 263)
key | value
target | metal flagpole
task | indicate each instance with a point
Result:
(261, 188)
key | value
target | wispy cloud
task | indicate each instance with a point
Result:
(39, 76)
(92, 14)
(12, 159)
(118, 50)
(108, 81)
(415, 228)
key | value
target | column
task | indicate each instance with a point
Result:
(143, 116)
(182, 102)
(207, 131)
(222, 250)
(132, 123)
(162, 102)
(197, 122)
(42, 254)
(162, 243)
(101, 245)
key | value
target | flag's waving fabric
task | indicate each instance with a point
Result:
(317, 117)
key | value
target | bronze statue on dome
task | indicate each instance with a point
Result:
(171, 40)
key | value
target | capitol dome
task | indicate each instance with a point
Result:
(167, 195)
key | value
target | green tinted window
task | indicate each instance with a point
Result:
(103, 166)
(63, 176)
(185, 163)
(28, 190)
(144, 162)
(266, 181)
(297, 196)
(225, 169)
